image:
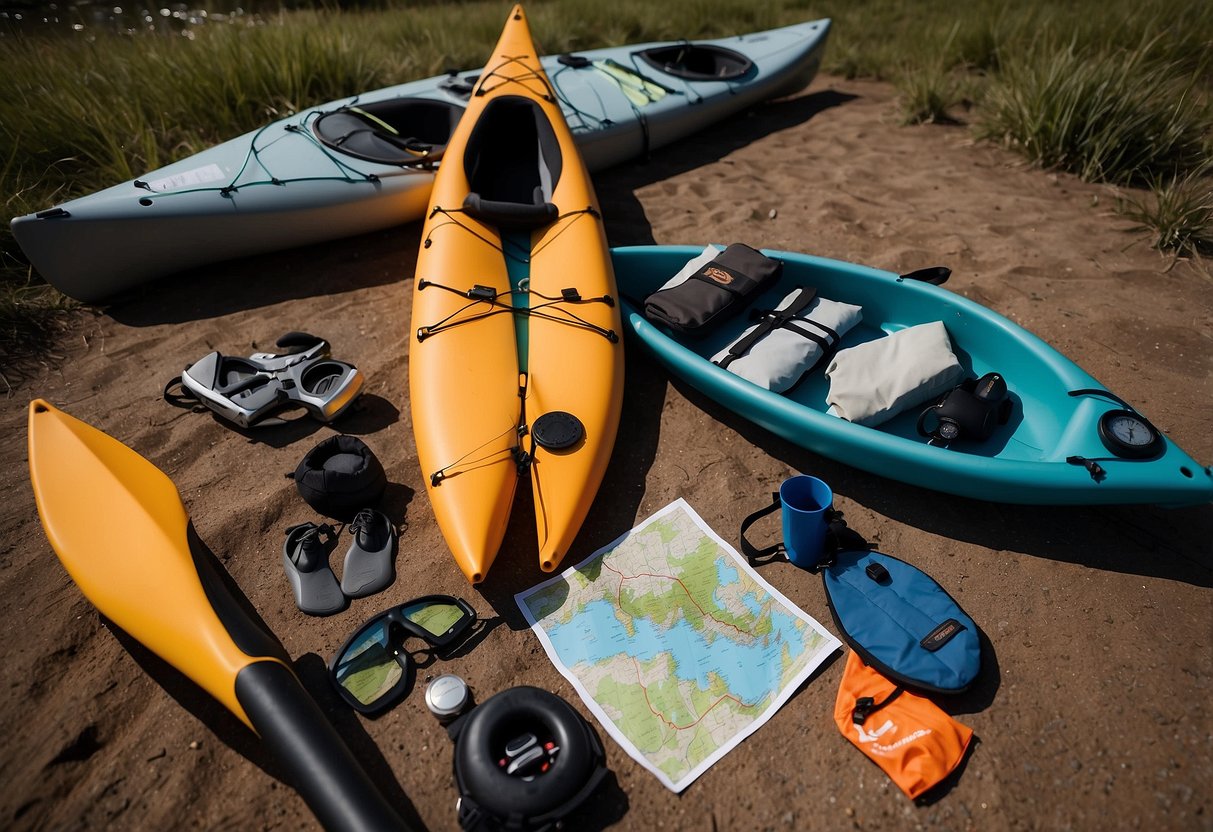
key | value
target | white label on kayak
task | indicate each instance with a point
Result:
(197, 176)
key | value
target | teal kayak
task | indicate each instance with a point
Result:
(1049, 452)
(366, 162)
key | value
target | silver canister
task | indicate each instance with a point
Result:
(447, 696)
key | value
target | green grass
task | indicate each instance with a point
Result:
(1114, 90)
(1177, 211)
(1122, 117)
(928, 93)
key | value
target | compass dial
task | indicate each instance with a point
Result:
(1130, 430)
(1128, 435)
(948, 430)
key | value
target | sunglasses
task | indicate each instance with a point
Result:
(371, 670)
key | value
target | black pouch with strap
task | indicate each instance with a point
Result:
(715, 292)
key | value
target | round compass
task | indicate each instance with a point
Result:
(1128, 435)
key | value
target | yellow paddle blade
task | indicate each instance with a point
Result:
(118, 525)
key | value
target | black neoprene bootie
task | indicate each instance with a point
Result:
(305, 558)
(369, 563)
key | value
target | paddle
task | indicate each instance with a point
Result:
(119, 527)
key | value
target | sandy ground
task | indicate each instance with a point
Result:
(1093, 707)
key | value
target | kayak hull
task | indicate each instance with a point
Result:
(1024, 462)
(280, 186)
(482, 375)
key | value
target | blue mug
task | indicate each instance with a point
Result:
(805, 501)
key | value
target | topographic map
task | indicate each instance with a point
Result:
(678, 647)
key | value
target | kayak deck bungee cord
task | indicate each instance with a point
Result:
(515, 358)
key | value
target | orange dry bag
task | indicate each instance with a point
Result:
(909, 736)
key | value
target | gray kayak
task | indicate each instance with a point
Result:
(367, 162)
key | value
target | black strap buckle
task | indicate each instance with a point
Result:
(755, 555)
(877, 572)
(863, 707)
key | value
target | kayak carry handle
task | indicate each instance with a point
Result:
(935, 275)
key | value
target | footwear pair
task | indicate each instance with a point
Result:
(369, 563)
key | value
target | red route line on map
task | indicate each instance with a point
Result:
(639, 681)
(662, 717)
(690, 597)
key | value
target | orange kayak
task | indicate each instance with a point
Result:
(515, 355)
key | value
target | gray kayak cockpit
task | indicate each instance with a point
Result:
(699, 62)
(396, 131)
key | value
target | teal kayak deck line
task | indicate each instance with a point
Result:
(1025, 461)
(516, 246)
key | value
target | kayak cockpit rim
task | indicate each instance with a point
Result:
(398, 131)
(513, 164)
(698, 62)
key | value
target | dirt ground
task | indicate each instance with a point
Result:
(1093, 708)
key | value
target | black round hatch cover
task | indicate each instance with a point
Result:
(557, 430)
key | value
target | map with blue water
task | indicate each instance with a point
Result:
(678, 647)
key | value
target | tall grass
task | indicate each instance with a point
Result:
(1178, 211)
(86, 114)
(1122, 117)
(928, 93)
(1116, 90)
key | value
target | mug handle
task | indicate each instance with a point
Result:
(770, 553)
(839, 538)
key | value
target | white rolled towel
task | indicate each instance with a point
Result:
(873, 382)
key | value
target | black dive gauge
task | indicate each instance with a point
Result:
(1128, 435)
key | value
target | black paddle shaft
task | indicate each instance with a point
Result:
(320, 765)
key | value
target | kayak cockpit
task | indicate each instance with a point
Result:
(398, 131)
(513, 163)
(698, 62)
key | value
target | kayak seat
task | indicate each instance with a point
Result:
(399, 131)
(512, 162)
(699, 62)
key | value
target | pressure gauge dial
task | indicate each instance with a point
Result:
(1128, 435)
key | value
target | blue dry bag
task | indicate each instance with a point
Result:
(901, 622)
(895, 616)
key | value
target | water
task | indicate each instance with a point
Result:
(84, 18)
(751, 669)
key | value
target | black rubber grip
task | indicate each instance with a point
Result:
(320, 765)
